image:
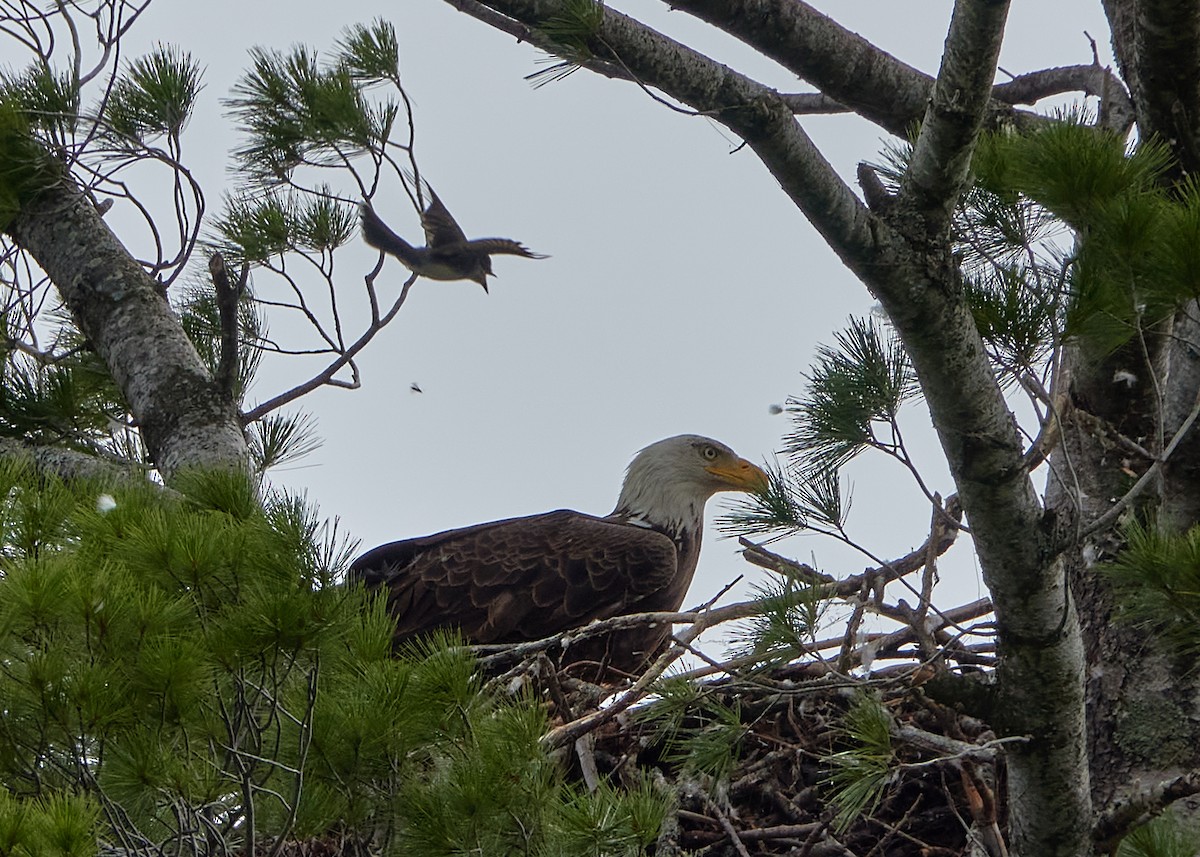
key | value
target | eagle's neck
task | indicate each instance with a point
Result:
(650, 498)
(685, 530)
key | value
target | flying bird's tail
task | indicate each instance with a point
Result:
(503, 245)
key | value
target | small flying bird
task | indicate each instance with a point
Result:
(448, 254)
(414, 387)
(529, 578)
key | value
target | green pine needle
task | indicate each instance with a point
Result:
(279, 439)
(371, 52)
(1161, 837)
(861, 771)
(50, 102)
(295, 111)
(1017, 310)
(796, 498)
(1156, 578)
(864, 379)
(791, 613)
(155, 95)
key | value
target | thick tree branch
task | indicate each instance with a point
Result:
(184, 419)
(756, 113)
(68, 464)
(904, 255)
(854, 74)
(842, 64)
(1140, 807)
(524, 33)
(1167, 42)
(1116, 108)
(941, 158)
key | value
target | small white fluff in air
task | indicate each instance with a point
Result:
(774, 409)
(105, 504)
(1124, 376)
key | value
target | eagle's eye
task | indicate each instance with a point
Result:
(710, 452)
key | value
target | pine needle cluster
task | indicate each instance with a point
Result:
(297, 109)
(1157, 580)
(182, 674)
(1134, 258)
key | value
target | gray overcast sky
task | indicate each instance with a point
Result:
(684, 294)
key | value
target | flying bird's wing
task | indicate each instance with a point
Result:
(440, 228)
(519, 579)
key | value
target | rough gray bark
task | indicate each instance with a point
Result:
(184, 418)
(841, 63)
(1141, 703)
(68, 464)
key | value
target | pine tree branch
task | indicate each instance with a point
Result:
(758, 114)
(1116, 107)
(941, 160)
(842, 64)
(69, 464)
(523, 33)
(905, 257)
(1140, 807)
(831, 587)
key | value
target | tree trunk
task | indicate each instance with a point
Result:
(184, 419)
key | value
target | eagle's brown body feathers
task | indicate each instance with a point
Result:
(528, 578)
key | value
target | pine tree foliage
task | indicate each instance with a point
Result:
(155, 96)
(1135, 258)
(1157, 579)
(297, 110)
(791, 613)
(1067, 235)
(1162, 837)
(185, 667)
(855, 392)
(569, 32)
(861, 770)
(62, 825)
(699, 731)
(861, 381)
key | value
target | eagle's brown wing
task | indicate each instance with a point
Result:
(522, 578)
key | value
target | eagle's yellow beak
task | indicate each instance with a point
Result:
(741, 475)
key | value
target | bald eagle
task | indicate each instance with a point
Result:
(528, 578)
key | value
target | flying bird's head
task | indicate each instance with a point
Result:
(482, 271)
(669, 482)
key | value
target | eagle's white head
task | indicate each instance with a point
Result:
(668, 482)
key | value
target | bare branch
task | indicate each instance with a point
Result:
(1140, 807)
(229, 295)
(326, 375)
